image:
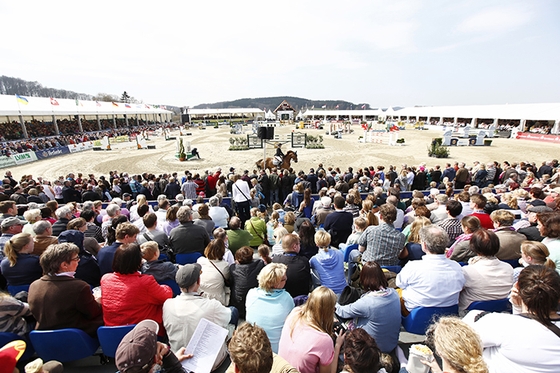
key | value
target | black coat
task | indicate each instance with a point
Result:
(243, 278)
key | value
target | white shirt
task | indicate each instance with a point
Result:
(485, 279)
(240, 191)
(515, 344)
(434, 281)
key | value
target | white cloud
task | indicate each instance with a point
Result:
(496, 20)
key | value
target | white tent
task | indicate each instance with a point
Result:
(269, 115)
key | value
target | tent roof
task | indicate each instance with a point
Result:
(224, 111)
(12, 105)
(512, 112)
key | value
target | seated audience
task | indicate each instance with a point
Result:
(250, 352)
(187, 237)
(20, 266)
(421, 280)
(510, 240)
(161, 270)
(478, 202)
(215, 272)
(244, 274)
(486, 277)
(127, 296)
(361, 353)
(307, 338)
(328, 264)
(378, 309)
(299, 273)
(12, 313)
(182, 314)
(43, 236)
(58, 300)
(125, 234)
(524, 341)
(237, 237)
(460, 251)
(533, 253)
(270, 304)
(549, 227)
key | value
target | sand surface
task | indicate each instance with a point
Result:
(213, 145)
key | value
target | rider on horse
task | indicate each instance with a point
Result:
(279, 156)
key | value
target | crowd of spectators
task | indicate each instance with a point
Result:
(127, 233)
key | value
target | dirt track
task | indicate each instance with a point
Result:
(213, 146)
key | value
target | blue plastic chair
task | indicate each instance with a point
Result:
(512, 262)
(187, 258)
(349, 248)
(111, 336)
(6, 338)
(395, 269)
(13, 290)
(63, 345)
(497, 305)
(421, 317)
(173, 285)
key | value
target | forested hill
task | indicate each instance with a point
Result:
(270, 103)
(13, 86)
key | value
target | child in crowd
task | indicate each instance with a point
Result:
(264, 252)
(162, 271)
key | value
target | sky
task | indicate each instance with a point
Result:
(384, 53)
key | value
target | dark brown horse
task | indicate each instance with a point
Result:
(290, 155)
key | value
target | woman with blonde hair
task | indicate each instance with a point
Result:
(458, 345)
(328, 264)
(290, 221)
(307, 338)
(533, 253)
(32, 216)
(368, 214)
(140, 200)
(270, 304)
(413, 248)
(215, 272)
(20, 267)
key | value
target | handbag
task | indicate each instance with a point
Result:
(227, 282)
(264, 240)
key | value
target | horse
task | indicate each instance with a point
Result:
(286, 162)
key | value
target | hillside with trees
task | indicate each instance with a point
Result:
(270, 103)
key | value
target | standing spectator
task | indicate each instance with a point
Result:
(241, 195)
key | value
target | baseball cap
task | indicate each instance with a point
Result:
(138, 348)
(11, 221)
(188, 274)
(10, 354)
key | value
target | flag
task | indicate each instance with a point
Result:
(312, 107)
(54, 102)
(337, 106)
(97, 103)
(363, 106)
(115, 104)
(22, 100)
(147, 107)
(324, 107)
(127, 106)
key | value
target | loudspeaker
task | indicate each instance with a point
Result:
(266, 133)
(185, 118)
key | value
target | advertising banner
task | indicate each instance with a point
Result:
(22, 158)
(6, 162)
(74, 148)
(538, 137)
(52, 152)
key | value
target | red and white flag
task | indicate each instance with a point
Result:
(363, 106)
(337, 106)
(54, 102)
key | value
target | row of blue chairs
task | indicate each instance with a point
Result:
(419, 319)
(69, 344)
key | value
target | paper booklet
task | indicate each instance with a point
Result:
(205, 344)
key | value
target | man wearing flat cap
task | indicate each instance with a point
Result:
(182, 314)
(10, 226)
(530, 230)
(140, 352)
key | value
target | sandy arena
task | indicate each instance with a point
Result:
(213, 145)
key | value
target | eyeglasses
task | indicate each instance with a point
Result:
(77, 259)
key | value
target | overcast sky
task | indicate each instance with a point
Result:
(385, 53)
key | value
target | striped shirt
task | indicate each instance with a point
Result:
(12, 312)
(453, 228)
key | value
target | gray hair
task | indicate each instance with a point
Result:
(87, 205)
(61, 212)
(435, 239)
(41, 226)
(442, 198)
(214, 201)
(161, 197)
(112, 210)
(184, 214)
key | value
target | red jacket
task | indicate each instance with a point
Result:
(212, 180)
(129, 299)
